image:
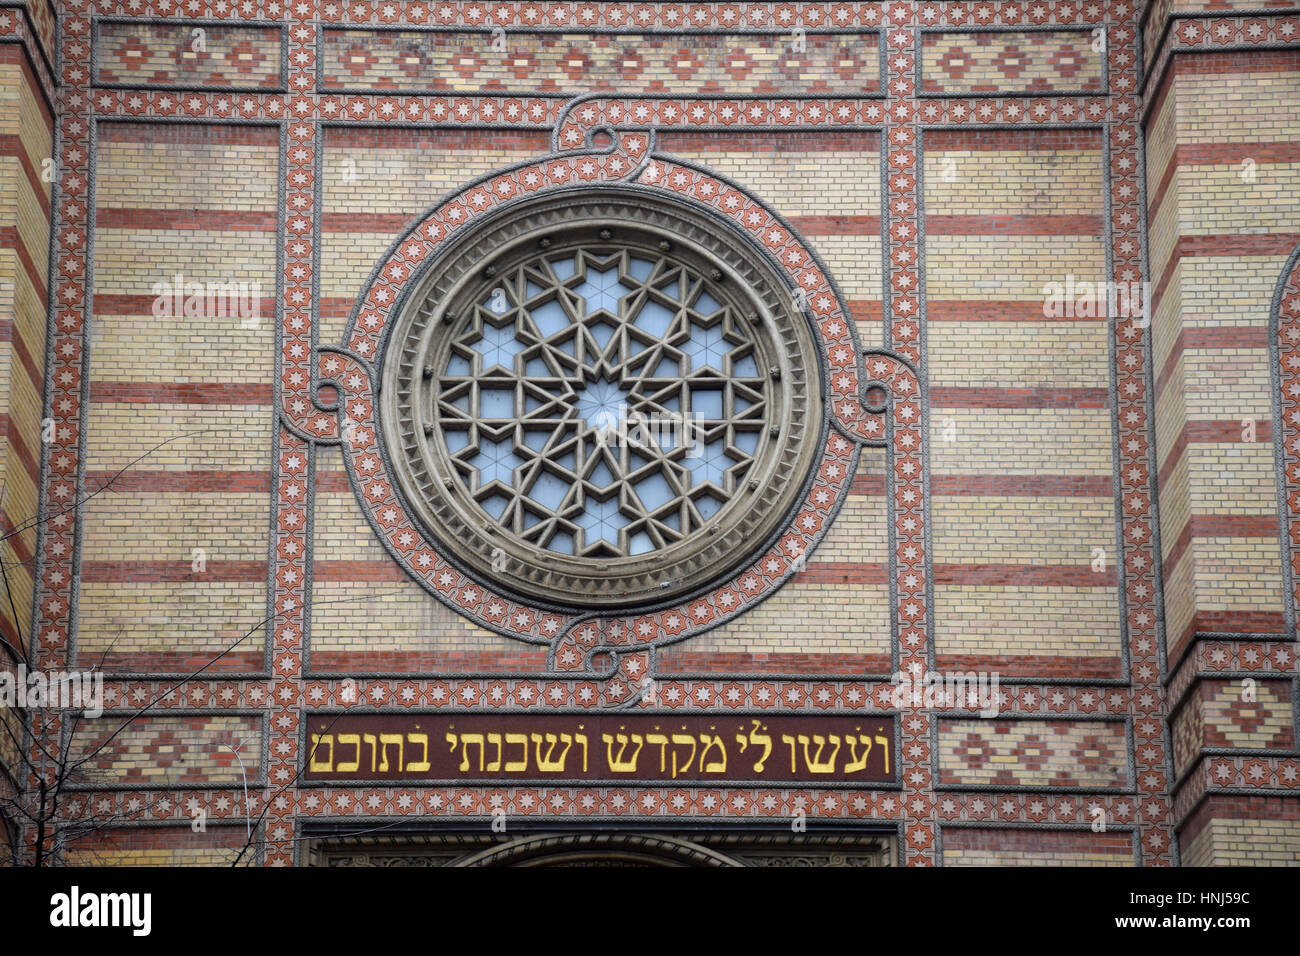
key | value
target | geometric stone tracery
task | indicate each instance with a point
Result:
(604, 397)
(601, 402)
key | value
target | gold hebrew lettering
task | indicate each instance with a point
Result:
(618, 764)
(546, 764)
(816, 764)
(374, 749)
(854, 764)
(662, 741)
(884, 742)
(756, 738)
(517, 766)
(317, 741)
(386, 741)
(787, 739)
(495, 765)
(582, 739)
(349, 766)
(713, 766)
(465, 741)
(421, 765)
(683, 739)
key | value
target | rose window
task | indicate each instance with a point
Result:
(601, 399)
(599, 402)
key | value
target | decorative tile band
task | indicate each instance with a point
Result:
(484, 61)
(168, 55)
(1034, 61)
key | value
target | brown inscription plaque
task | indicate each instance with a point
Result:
(497, 748)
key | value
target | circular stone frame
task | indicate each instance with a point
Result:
(621, 216)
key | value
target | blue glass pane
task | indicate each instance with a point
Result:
(549, 490)
(561, 543)
(601, 521)
(707, 402)
(495, 506)
(550, 318)
(640, 269)
(496, 461)
(496, 402)
(708, 506)
(457, 366)
(706, 348)
(601, 403)
(499, 347)
(536, 440)
(602, 290)
(655, 492)
(456, 440)
(563, 267)
(745, 367)
(709, 463)
(706, 304)
(640, 543)
(674, 286)
(747, 442)
(601, 476)
(654, 319)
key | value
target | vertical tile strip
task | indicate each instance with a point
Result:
(911, 558)
(292, 462)
(62, 463)
(1131, 390)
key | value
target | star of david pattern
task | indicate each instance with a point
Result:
(601, 403)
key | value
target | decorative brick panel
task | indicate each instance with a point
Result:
(1010, 62)
(184, 55)
(1030, 753)
(704, 63)
(168, 750)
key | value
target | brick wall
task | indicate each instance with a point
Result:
(27, 174)
(948, 174)
(1221, 186)
(25, 142)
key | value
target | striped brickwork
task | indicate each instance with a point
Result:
(25, 148)
(1007, 523)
